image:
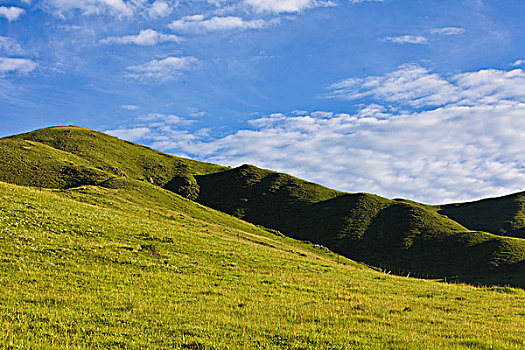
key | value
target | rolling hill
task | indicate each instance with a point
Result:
(105, 244)
(503, 216)
(133, 266)
(462, 242)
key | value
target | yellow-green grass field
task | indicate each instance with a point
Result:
(100, 268)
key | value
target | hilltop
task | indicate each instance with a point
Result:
(68, 156)
(503, 216)
(465, 242)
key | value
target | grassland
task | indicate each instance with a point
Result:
(401, 236)
(133, 266)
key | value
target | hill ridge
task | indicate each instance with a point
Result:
(410, 236)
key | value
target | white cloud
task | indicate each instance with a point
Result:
(119, 8)
(16, 65)
(160, 120)
(130, 107)
(490, 86)
(161, 129)
(278, 6)
(196, 113)
(146, 37)
(160, 8)
(197, 23)
(415, 86)
(92, 7)
(407, 39)
(167, 69)
(518, 63)
(418, 39)
(11, 13)
(130, 134)
(9, 46)
(454, 151)
(411, 84)
(448, 31)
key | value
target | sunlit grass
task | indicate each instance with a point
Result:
(125, 274)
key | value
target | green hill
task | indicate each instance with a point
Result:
(502, 216)
(398, 235)
(132, 266)
(116, 157)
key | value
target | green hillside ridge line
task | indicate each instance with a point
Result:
(399, 235)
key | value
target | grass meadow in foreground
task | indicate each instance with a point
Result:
(120, 274)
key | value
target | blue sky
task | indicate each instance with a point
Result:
(417, 99)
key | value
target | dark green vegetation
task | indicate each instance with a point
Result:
(98, 252)
(502, 216)
(402, 236)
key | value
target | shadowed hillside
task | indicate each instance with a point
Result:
(503, 215)
(382, 232)
(398, 235)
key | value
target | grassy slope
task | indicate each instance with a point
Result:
(394, 234)
(34, 164)
(402, 236)
(123, 158)
(162, 272)
(503, 215)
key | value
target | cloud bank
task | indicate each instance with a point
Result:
(416, 86)
(420, 135)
